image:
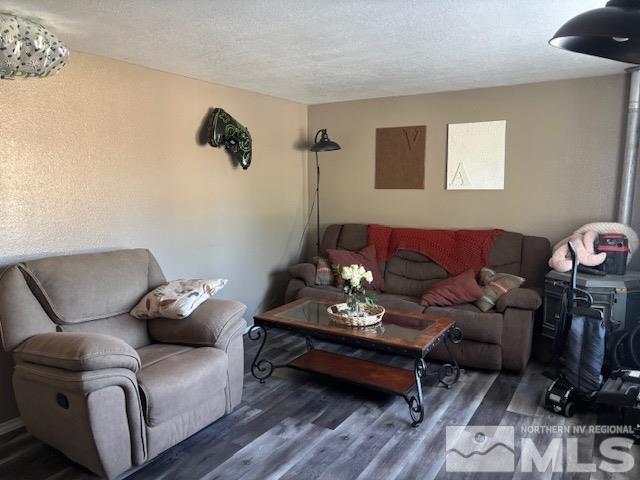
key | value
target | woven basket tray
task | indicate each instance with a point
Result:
(372, 314)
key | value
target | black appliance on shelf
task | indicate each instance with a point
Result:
(616, 246)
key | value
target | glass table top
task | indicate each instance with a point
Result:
(393, 326)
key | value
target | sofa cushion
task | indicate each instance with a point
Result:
(365, 257)
(327, 292)
(506, 253)
(533, 267)
(305, 272)
(524, 298)
(21, 315)
(477, 326)
(78, 288)
(124, 326)
(159, 351)
(400, 302)
(181, 382)
(456, 290)
(411, 273)
(348, 236)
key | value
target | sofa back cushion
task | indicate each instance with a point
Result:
(412, 274)
(506, 253)
(85, 287)
(365, 257)
(78, 293)
(124, 326)
(21, 315)
(348, 236)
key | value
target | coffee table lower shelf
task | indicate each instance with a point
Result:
(377, 376)
(373, 375)
(384, 378)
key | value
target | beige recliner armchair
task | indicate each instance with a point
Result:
(108, 390)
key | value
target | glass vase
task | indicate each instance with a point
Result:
(354, 300)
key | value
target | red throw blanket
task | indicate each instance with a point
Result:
(454, 250)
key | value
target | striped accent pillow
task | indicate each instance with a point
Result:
(324, 275)
(494, 285)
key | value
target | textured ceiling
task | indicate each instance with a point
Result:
(324, 51)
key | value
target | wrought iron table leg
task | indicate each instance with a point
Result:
(416, 404)
(260, 369)
(449, 373)
(309, 342)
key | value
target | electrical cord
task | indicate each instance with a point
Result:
(306, 225)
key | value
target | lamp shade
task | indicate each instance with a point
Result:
(324, 144)
(611, 32)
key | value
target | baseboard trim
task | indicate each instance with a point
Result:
(11, 425)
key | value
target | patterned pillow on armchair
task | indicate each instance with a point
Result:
(177, 299)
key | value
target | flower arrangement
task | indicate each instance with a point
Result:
(353, 275)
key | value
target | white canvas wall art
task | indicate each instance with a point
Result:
(476, 155)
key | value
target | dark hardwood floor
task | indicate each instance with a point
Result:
(295, 426)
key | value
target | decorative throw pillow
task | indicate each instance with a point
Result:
(324, 276)
(365, 257)
(177, 299)
(494, 285)
(456, 290)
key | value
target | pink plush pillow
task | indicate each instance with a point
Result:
(365, 257)
(456, 290)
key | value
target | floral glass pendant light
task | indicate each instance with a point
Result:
(28, 50)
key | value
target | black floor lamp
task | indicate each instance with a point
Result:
(324, 144)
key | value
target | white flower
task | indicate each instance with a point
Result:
(347, 273)
(354, 274)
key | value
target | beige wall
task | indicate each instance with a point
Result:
(105, 155)
(563, 147)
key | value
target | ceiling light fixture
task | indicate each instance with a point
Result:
(612, 31)
(28, 49)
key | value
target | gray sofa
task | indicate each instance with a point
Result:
(108, 390)
(500, 338)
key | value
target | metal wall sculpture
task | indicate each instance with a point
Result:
(224, 130)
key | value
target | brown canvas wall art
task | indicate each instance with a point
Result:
(400, 155)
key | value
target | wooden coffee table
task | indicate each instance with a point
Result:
(404, 333)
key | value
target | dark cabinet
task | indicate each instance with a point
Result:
(617, 296)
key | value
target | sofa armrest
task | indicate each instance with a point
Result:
(77, 351)
(523, 298)
(213, 324)
(517, 334)
(305, 272)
